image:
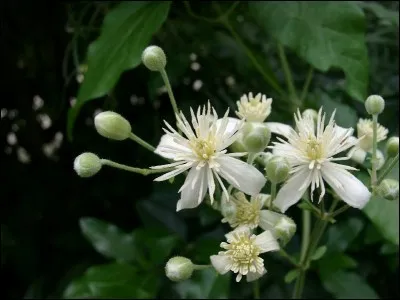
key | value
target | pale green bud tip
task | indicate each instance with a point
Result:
(388, 189)
(277, 169)
(310, 113)
(154, 58)
(87, 164)
(256, 137)
(374, 105)
(285, 229)
(392, 146)
(179, 268)
(112, 125)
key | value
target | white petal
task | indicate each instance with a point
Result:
(251, 276)
(232, 123)
(347, 186)
(241, 229)
(267, 242)
(291, 192)
(195, 189)
(268, 219)
(358, 155)
(279, 128)
(221, 263)
(168, 141)
(241, 175)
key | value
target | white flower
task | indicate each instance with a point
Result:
(364, 129)
(202, 151)
(257, 109)
(310, 152)
(242, 253)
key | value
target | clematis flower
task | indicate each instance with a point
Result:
(242, 253)
(201, 149)
(310, 150)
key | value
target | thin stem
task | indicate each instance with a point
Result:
(394, 161)
(251, 156)
(286, 255)
(309, 77)
(374, 146)
(339, 211)
(169, 90)
(305, 238)
(201, 267)
(287, 72)
(143, 172)
(273, 191)
(256, 289)
(141, 142)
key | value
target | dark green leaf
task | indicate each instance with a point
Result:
(291, 275)
(108, 239)
(336, 261)
(126, 31)
(204, 284)
(319, 253)
(347, 285)
(388, 249)
(340, 235)
(326, 34)
(387, 17)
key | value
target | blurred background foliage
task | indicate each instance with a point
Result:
(111, 235)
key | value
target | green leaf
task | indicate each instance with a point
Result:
(340, 235)
(336, 261)
(127, 30)
(204, 284)
(319, 253)
(347, 285)
(291, 275)
(108, 239)
(112, 281)
(386, 16)
(388, 249)
(326, 34)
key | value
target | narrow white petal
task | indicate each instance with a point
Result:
(167, 141)
(179, 170)
(267, 242)
(347, 186)
(246, 177)
(279, 128)
(230, 127)
(291, 192)
(221, 263)
(241, 229)
(268, 219)
(189, 195)
(251, 276)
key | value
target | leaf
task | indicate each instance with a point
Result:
(336, 261)
(127, 30)
(204, 284)
(112, 281)
(347, 285)
(326, 34)
(386, 16)
(388, 249)
(319, 253)
(340, 235)
(108, 239)
(291, 275)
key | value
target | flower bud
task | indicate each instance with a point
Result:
(154, 58)
(179, 268)
(256, 137)
(392, 146)
(112, 125)
(374, 105)
(388, 189)
(380, 160)
(310, 113)
(87, 164)
(280, 225)
(277, 169)
(264, 157)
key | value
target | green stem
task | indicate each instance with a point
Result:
(201, 267)
(251, 156)
(273, 192)
(384, 173)
(374, 146)
(132, 169)
(305, 237)
(288, 73)
(339, 211)
(309, 77)
(141, 142)
(169, 90)
(286, 255)
(256, 289)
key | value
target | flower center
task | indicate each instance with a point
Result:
(204, 148)
(242, 250)
(314, 149)
(247, 214)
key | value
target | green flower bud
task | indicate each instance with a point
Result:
(112, 125)
(280, 225)
(374, 105)
(256, 137)
(179, 268)
(388, 189)
(87, 164)
(392, 146)
(310, 113)
(264, 157)
(277, 169)
(154, 58)
(237, 146)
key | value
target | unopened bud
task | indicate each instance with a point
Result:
(358, 155)
(112, 125)
(179, 268)
(374, 105)
(388, 189)
(392, 146)
(87, 164)
(310, 113)
(154, 58)
(256, 137)
(277, 169)
(280, 225)
(380, 160)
